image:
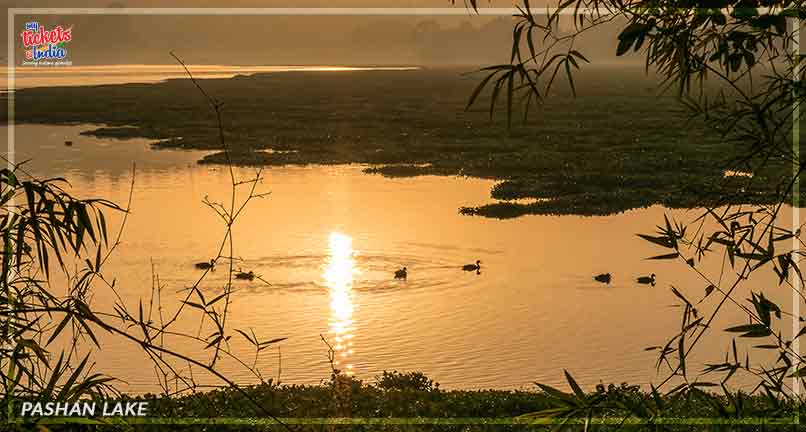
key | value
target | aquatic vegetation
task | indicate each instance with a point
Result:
(413, 395)
(614, 147)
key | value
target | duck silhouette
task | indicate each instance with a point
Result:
(206, 265)
(245, 276)
(401, 274)
(603, 278)
(647, 280)
(473, 267)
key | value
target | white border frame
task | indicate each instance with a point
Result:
(366, 11)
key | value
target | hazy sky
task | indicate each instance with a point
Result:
(467, 39)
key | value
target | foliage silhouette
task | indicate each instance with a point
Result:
(735, 65)
(47, 232)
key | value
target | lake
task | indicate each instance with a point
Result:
(328, 240)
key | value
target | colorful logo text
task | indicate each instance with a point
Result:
(42, 44)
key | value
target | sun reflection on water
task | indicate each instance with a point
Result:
(339, 272)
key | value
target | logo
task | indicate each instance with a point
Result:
(46, 46)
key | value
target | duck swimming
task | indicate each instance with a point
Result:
(647, 280)
(603, 278)
(401, 274)
(472, 267)
(245, 276)
(205, 266)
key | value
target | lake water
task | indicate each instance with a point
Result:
(329, 238)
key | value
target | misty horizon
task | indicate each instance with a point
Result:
(310, 40)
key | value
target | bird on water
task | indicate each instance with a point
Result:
(472, 267)
(603, 278)
(401, 274)
(206, 265)
(647, 280)
(245, 276)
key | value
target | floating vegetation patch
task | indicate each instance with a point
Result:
(402, 170)
(122, 132)
(169, 143)
(613, 148)
(273, 151)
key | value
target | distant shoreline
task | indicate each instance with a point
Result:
(617, 146)
(76, 76)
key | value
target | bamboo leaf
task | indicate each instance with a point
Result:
(574, 386)
(665, 256)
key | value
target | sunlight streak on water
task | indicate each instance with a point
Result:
(339, 272)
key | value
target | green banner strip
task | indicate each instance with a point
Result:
(369, 421)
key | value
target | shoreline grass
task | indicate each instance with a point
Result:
(398, 399)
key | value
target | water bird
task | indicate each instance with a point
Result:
(245, 276)
(603, 278)
(205, 265)
(401, 274)
(68, 143)
(647, 280)
(473, 267)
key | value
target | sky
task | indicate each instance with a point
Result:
(467, 39)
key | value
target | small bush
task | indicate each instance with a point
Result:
(395, 380)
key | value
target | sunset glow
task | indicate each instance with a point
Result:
(339, 272)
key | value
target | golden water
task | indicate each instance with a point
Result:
(328, 240)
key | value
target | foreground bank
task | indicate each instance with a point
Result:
(411, 401)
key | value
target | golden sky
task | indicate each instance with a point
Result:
(467, 39)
